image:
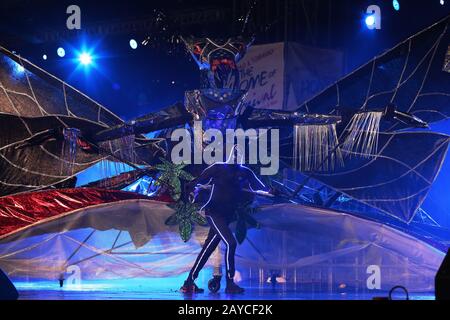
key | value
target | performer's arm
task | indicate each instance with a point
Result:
(204, 178)
(254, 182)
(256, 118)
(170, 117)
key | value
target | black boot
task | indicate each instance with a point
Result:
(233, 288)
(189, 286)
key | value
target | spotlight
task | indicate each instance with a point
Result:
(133, 44)
(396, 5)
(85, 58)
(61, 52)
(370, 21)
(20, 68)
(44, 57)
(442, 2)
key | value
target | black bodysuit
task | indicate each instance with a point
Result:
(228, 189)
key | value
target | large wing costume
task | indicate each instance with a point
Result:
(365, 123)
(395, 175)
(35, 108)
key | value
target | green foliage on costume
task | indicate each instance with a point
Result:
(171, 175)
(185, 227)
(186, 216)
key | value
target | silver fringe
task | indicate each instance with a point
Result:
(123, 149)
(69, 150)
(364, 129)
(316, 148)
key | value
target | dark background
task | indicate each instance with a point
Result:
(135, 82)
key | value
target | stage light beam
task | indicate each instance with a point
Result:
(85, 58)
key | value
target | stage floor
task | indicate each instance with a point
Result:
(169, 291)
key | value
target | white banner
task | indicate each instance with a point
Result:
(262, 75)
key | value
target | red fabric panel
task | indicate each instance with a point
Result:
(21, 210)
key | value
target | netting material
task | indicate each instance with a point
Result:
(389, 170)
(130, 240)
(410, 76)
(363, 129)
(394, 180)
(32, 102)
(34, 92)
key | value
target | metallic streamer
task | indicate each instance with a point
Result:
(316, 148)
(69, 150)
(364, 129)
(124, 149)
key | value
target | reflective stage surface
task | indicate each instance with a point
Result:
(167, 289)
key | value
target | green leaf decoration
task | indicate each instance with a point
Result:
(185, 210)
(186, 216)
(172, 220)
(160, 167)
(175, 184)
(171, 175)
(185, 229)
(186, 176)
(199, 219)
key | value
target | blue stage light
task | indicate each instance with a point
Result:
(396, 5)
(16, 68)
(20, 69)
(370, 20)
(442, 2)
(44, 57)
(133, 44)
(61, 52)
(85, 58)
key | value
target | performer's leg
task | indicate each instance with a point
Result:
(210, 245)
(217, 261)
(220, 224)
